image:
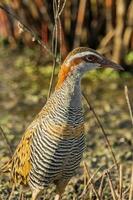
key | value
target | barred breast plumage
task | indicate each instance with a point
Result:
(58, 141)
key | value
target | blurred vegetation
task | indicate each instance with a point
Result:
(25, 73)
(106, 25)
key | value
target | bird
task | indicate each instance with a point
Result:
(52, 146)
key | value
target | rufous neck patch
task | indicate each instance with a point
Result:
(63, 73)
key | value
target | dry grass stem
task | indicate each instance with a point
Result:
(87, 183)
(120, 182)
(107, 38)
(11, 194)
(111, 186)
(62, 8)
(6, 141)
(57, 12)
(101, 187)
(128, 103)
(21, 194)
(91, 180)
(104, 174)
(103, 131)
(56, 7)
(131, 186)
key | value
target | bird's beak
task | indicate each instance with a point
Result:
(106, 63)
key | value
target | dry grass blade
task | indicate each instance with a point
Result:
(120, 181)
(100, 191)
(128, 103)
(62, 8)
(131, 186)
(111, 186)
(11, 194)
(51, 79)
(103, 131)
(87, 183)
(56, 6)
(106, 39)
(21, 194)
(6, 140)
(91, 181)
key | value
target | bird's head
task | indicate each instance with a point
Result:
(83, 59)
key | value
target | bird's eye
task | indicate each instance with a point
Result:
(90, 58)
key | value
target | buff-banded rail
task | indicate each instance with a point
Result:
(51, 148)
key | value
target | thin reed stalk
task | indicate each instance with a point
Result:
(120, 182)
(111, 186)
(57, 12)
(56, 6)
(128, 103)
(103, 131)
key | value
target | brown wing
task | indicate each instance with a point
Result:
(19, 166)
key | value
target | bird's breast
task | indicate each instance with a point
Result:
(54, 158)
(57, 145)
(64, 122)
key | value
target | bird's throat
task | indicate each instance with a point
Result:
(71, 91)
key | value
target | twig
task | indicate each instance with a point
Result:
(28, 29)
(6, 140)
(103, 131)
(128, 103)
(53, 53)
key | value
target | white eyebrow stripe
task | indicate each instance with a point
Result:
(78, 55)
